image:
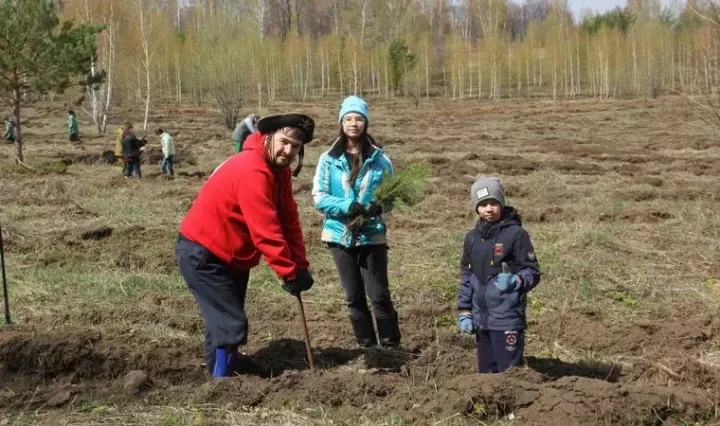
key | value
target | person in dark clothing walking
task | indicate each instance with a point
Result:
(498, 268)
(132, 147)
(346, 179)
(245, 210)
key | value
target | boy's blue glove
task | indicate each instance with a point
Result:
(507, 281)
(465, 323)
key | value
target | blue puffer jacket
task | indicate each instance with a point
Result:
(484, 251)
(333, 194)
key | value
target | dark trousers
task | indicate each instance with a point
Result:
(220, 294)
(132, 165)
(166, 166)
(74, 137)
(499, 350)
(363, 272)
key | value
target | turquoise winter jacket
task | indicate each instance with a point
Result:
(333, 194)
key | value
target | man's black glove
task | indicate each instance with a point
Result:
(291, 286)
(375, 209)
(304, 279)
(356, 209)
(303, 282)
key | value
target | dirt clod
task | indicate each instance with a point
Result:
(135, 382)
(97, 234)
(59, 396)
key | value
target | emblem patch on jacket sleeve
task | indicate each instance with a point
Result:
(499, 249)
(511, 340)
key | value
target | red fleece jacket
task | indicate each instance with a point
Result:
(246, 209)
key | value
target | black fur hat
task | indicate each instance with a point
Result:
(302, 122)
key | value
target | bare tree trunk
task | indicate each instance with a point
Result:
(480, 73)
(257, 76)
(715, 63)
(405, 89)
(167, 76)
(363, 22)
(93, 96)
(470, 74)
(178, 79)
(540, 73)
(322, 72)
(372, 75)
(509, 80)
(18, 145)
(566, 84)
(268, 82)
(636, 84)
(340, 74)
(94, 92)
(519, 76)
(453, 80)
(387, 81)
(145, 62)
(110, 32)
(307, 67)
(672, 65)
(571, 72)
(427, 70)
(527, 77)
(532, 59)
(554, 74)
(355, 73)
(577, 45)
(417, 86)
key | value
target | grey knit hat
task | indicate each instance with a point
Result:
(486, 188)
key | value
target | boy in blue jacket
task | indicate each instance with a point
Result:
(497, 269)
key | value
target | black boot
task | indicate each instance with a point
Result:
(389, 332)
(364, 332)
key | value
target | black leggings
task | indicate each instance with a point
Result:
(364, 272)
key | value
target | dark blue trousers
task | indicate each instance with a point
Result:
(132, 165)
(220, 294)
(499, 350)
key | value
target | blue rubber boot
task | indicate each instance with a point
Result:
(224, 362)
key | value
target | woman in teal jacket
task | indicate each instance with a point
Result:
(346, 179)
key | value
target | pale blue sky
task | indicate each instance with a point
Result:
(599, 5)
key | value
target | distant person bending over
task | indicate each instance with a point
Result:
(73, 128)
(244, 129)
(168, 150)
(132, 147)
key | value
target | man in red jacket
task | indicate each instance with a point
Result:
(245, 210)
